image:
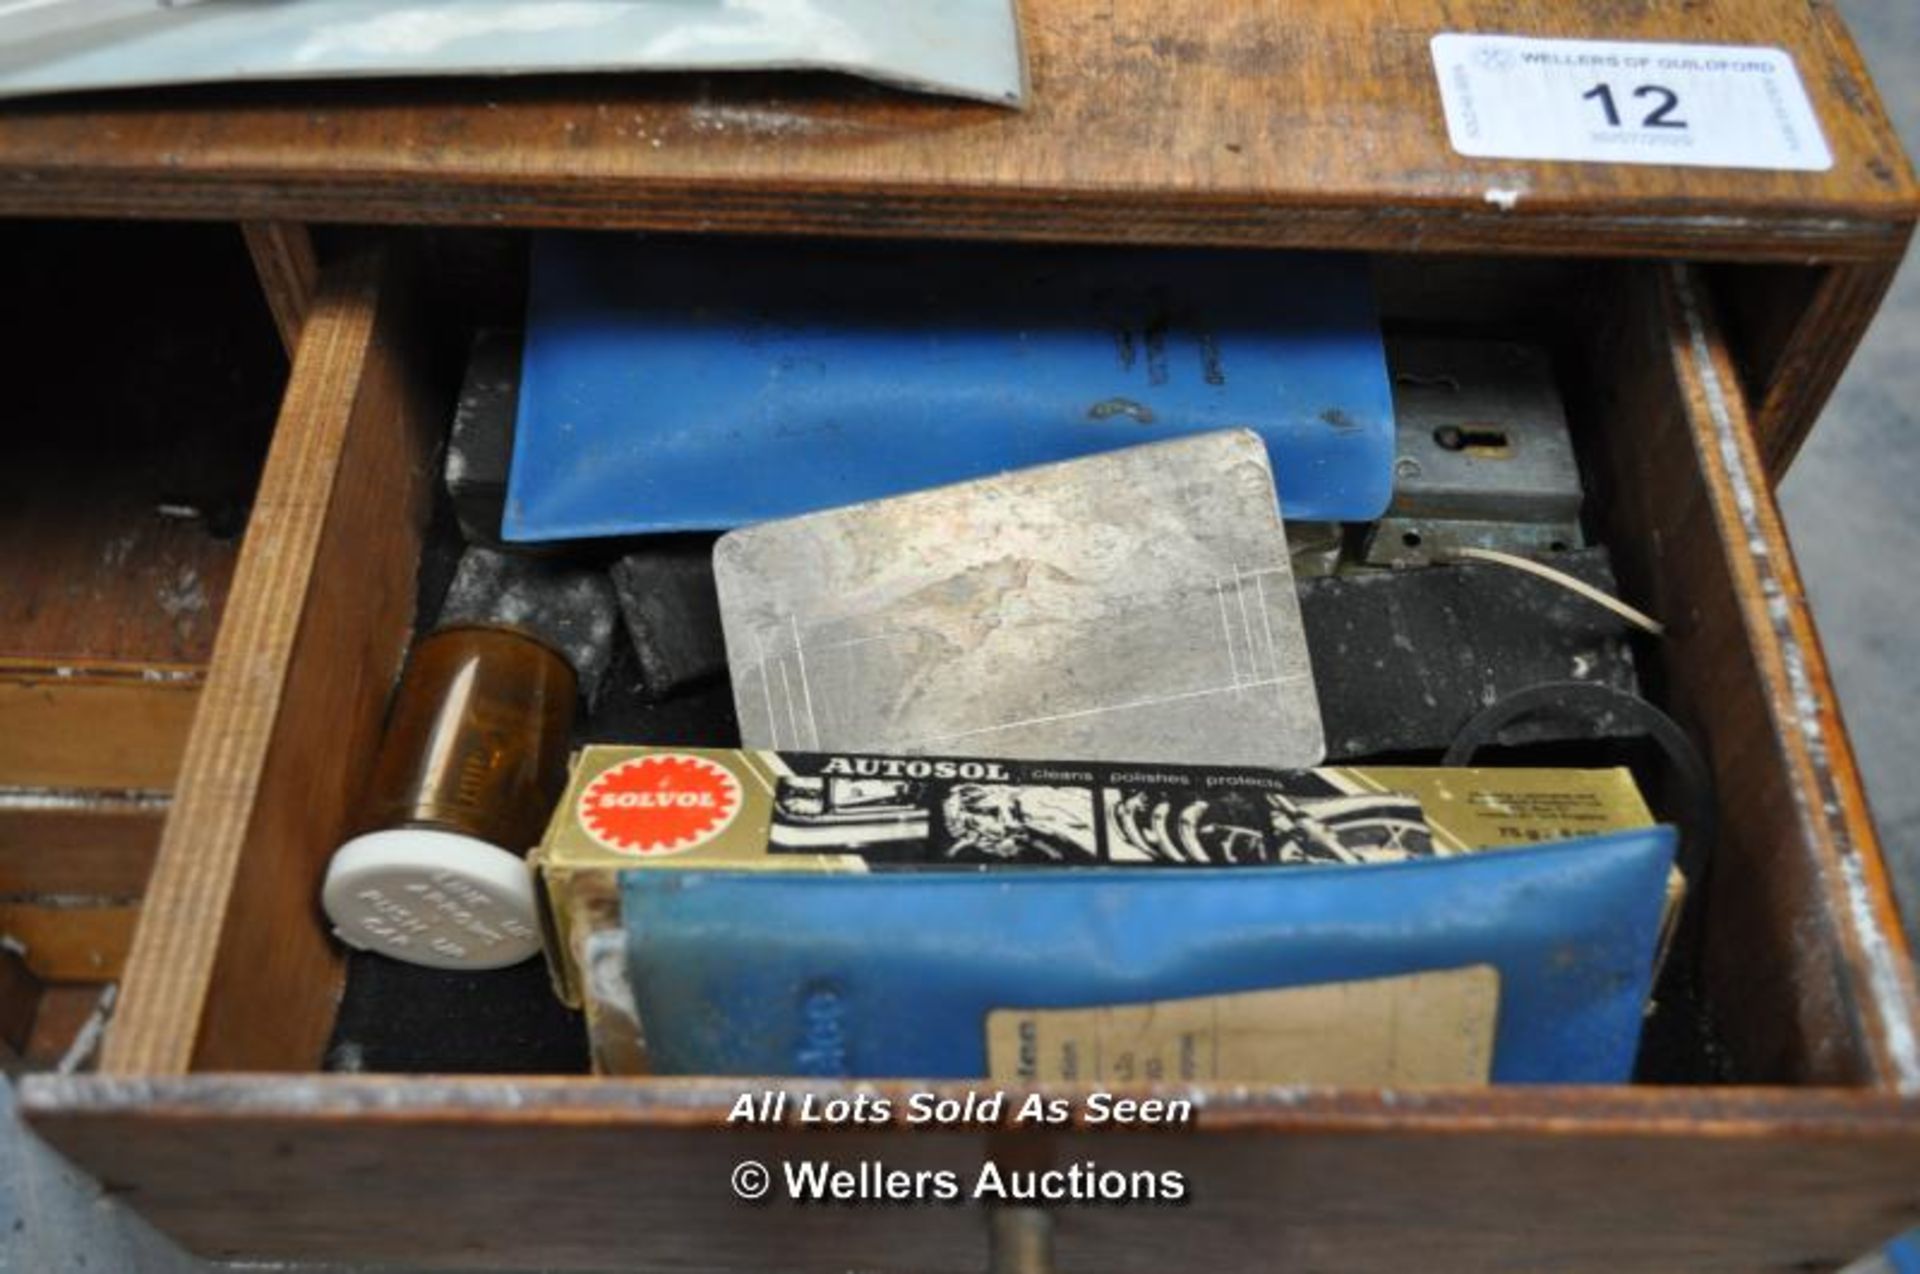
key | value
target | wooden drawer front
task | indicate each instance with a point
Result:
(626, 1174)
(231, 971)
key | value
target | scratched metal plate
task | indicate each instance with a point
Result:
(1132, 606)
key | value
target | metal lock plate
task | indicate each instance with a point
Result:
(1482, 454)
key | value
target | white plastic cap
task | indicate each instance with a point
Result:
(435, 898)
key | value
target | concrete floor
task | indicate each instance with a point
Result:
(1850, 507)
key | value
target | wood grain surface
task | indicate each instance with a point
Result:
(230, 963)
(141, 381)
(111, 727)
(283, 257)
(1825, 334)
(71, 940)
(1805, 960)
(1266, 123)
(83, 843)
(1849, 891)
(65, 1012)
(618, 1174)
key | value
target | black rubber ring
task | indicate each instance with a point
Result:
(1575, 700)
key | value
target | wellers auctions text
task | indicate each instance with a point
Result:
(815, 1181)
(824, 1182)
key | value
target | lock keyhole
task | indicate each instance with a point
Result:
(1477, 438)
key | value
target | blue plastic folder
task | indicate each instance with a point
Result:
(674, 386)
(893, 975)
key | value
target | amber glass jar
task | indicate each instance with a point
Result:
(473, 759)
(477, 741)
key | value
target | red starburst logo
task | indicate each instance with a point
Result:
(662, 804)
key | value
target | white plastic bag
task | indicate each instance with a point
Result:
(964, 48)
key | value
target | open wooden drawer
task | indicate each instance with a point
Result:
(139, 416)
(210, 1116)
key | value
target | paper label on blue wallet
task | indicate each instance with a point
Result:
(1628, 102)
(1418, 1029)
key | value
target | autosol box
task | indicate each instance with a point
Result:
(1069, 834)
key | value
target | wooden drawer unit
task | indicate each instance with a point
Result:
(208, 1114)
(1699, 319)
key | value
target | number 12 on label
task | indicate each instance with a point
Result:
(1627, 102)
(1660, 115)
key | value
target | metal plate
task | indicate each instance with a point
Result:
(1482, 457)
(1132, 606)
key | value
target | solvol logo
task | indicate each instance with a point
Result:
(663, 804)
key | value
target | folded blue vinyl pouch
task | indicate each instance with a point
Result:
(897, 974)
(674, 386)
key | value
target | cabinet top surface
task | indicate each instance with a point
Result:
(1260, 123)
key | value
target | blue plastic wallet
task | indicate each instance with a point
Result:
(893, 975)
(671, 386)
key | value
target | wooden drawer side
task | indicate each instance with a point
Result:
(231, 964)
(1805, 961)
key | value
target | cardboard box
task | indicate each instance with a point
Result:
(646, 809)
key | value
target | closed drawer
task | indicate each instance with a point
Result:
(210, 1115)
(138, 419)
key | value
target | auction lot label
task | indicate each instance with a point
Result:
(1628, 102)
